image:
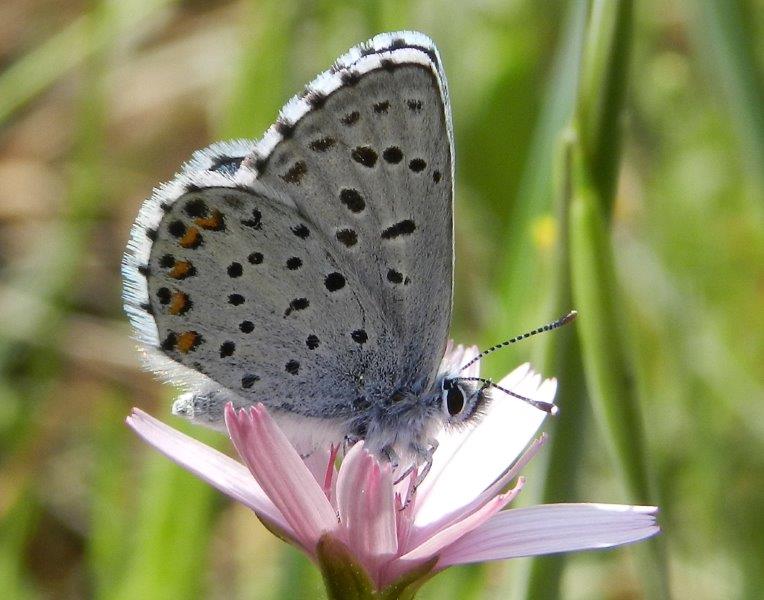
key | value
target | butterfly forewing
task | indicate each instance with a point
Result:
(370, 166)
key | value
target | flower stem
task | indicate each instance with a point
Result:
(344, 577)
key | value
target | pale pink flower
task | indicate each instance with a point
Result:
(356, 514)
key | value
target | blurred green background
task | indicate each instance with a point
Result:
(100, 101)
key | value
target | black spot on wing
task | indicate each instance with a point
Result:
(322, 144)
(414, 105)
(296, 304)
(348, 237)
(352, 199)
(176, 229)
(405, 227)
(393, 155)
(164, 295)
(295, 173)
(256, 222)
(364, 155)
(196, 207)
(249, 380)
(334, 282)
(293, 263)
(316, 99)
(351, 118)
(301, 231)
(417, 165)
(394, 276)
(359, 336)
(235, 270)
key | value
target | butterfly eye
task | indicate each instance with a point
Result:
(454, 399)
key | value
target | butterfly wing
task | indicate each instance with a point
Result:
(366, 153)
(311, 270)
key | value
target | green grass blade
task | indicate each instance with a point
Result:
(109, 517)
(557, 353)
(261, 87)
(560, 355)
(607, 359)
(602, 93)
(601, 328)
(607, 364)
(535, 190)
(172, 526)
(725, 34)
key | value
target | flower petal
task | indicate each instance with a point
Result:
(484, 451)
(552, 528)
(278, 468)
(420, 533)
(320, 463)
(450, 534)
(367, 511)
(229, 476)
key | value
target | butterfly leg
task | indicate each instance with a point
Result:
(427, 453)
(405, 474)
(391, 456)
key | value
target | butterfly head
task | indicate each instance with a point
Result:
(460, 400)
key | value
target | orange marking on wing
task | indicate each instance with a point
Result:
(179, 303)
(181, 269)
(192, 238)
(214, 222)
(187, 341)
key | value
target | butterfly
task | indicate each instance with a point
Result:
(312, 270)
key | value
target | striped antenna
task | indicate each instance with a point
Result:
(548, 327)
(547, 407)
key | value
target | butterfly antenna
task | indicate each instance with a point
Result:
(547, 407)
(548, 327)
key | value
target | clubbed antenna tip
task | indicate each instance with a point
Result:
(569, 318)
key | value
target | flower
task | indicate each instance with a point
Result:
(369, 532)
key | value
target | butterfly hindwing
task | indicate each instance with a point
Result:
(245, 291)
